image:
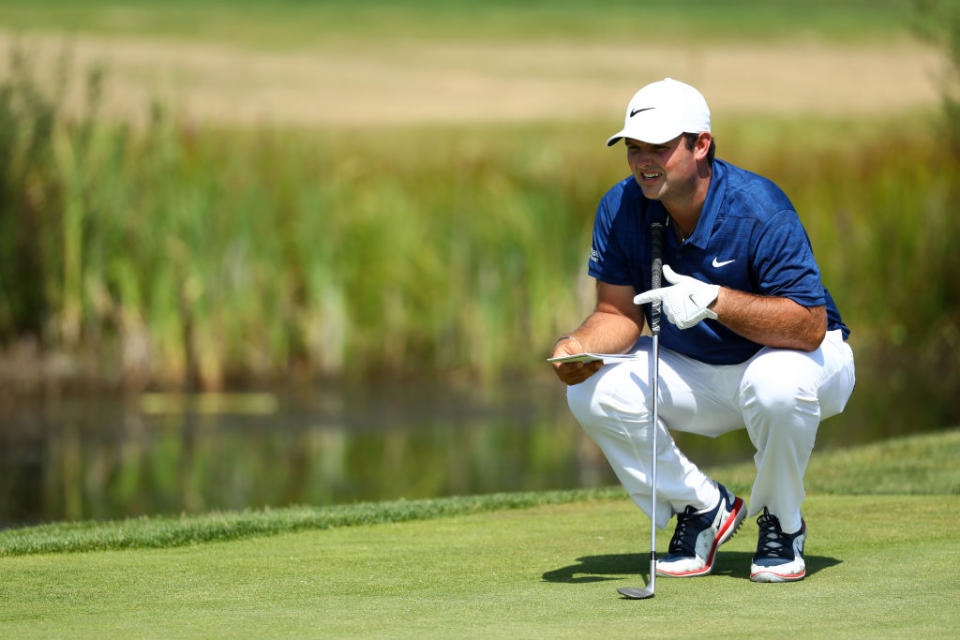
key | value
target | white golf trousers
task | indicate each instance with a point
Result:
(779, 396)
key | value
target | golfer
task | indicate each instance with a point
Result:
(753, 341)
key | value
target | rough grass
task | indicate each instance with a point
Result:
(914, 465)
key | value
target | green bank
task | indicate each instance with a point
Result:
(876, 562)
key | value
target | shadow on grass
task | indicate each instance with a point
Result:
(733, 564)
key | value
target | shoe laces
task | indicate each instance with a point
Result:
(771, 542)
(684, 540)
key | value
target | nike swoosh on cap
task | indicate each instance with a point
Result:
(636, 111)
(717, 265)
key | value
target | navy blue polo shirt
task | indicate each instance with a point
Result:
(748, 238)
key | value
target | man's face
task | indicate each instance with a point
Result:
(663, 171)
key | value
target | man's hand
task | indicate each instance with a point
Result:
(685, 303)
(572, 372)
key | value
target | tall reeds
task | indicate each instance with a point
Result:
(175, 255)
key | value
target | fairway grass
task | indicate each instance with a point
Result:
(879, 567)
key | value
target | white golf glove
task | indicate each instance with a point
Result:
(685, 303)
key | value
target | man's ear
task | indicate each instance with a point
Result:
(702, 147)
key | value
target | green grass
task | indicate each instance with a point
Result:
(292, 23)
(879, 566)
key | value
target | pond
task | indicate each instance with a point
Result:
(106, 457)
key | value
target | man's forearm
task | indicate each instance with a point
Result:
(604, 332)
(774, 322)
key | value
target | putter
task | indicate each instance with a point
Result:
(656, 252)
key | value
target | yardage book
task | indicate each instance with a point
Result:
(593, 357)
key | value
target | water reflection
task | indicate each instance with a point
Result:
(108, 458)
(114, 457)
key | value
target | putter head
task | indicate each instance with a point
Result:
(636, 594)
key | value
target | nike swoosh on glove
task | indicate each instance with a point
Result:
(685, 302)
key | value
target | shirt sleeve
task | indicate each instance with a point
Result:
(607, 261)
(784, 263)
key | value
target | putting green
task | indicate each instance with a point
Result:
(878, 566)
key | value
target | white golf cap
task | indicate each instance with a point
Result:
(663, 110)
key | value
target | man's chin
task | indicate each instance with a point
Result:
(651, 191)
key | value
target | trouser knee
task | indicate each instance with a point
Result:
(777, 407)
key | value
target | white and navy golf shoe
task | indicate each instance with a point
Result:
(779, 556)
(698, 534)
